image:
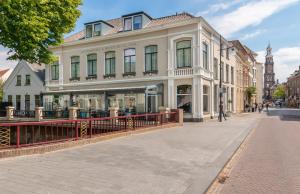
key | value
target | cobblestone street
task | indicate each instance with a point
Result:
(270, 162)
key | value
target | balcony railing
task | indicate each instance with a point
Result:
(24, 134)
(183, 72)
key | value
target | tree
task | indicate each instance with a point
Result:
(250, 92)
(29, 27)
(279, 92)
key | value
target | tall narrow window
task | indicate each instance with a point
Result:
(151, 59)
(9, 100)
(227, 73)
(205, 99)
(19, 79)
(18, 102)
(183, 54)
(129, 61)
(92, 65)
(184, 98)
(89, 31)
(55, 71)
(227, 53)
(127, 24)
(216, 69)
(205, 56)
(27, 80)
(232, 75)
(97, 29)
(37, 100)
(75, 65)
(137, 22)
(110, 63)
(27, 102)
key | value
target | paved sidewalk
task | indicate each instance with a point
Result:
(270, 162)
(176, 160)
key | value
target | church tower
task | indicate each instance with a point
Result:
(269, 76)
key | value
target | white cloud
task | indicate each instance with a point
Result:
(249, 14)
(3, 62)
(252, 34)
(286, 61)
(214, 8)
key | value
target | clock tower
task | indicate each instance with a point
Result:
(269, 76)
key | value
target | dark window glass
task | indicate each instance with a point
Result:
(129, 61)
(75, 65)
(183, 54)
(205, 56)
(184, 98)
(92, 64)
(151, 58)
(97, 29)
(27, 80)
(19, 79)
(137, 22)
(89, 31)
(55, 71)
(110, 63)
(18, 102)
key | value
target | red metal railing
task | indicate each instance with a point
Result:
(24, 134)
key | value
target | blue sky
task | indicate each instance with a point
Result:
(254, 22)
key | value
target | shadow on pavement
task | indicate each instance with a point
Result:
(285, 114)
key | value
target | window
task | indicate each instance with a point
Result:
(137, 22)
(27, 80)
(151, 58)
(97, 29)
(110, 63)
(184, 98)
(129, 61)
(232, 75)
(27, 102)
(55, 71)
(75, 65)
(222, 71)
(216, 69)
(18, 102)
(37, 100)
(19, 79)
(127, 24)
(92, 65)
(227, 53)
(183, 54)
(205, 56)
(9, 100)
(205, 99)
(227, 73)
(89, 31)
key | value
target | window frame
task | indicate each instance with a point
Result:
(184, 56)
(19, 80)
(190, 95)
(112, 63)
(27, 80)
(86, 30)
(75, 64)
(153, 63)
(55, 75)
(124, 24)
(205, 55)
(94, 29)
(133, 22)
(92, 62)
(130, 61)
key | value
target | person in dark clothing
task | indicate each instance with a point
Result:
(222, 112)
(267, 107)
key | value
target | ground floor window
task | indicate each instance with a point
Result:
(184, 98)
(37, 100)
(205, 99)
(10, 100)
(18, 102)
(27, 102)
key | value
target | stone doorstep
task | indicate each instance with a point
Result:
(41, 149)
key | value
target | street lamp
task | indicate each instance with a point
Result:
(220, 83)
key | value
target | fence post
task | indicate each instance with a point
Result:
(18, 136)
(76, 129)
(38, 113)
(73, 113)
(9, 112)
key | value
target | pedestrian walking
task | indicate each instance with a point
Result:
(267, 106)
(222, 112)
(260, 107)
(256, 106)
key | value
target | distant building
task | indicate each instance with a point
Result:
(293, 89)
(24, 86)
(269, 76)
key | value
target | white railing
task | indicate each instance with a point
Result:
(183, 72)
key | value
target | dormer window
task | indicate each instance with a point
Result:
(97, 29)
(89, 31)
(137, 22)
(127, 24)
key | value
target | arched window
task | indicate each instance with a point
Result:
(92, 64)
(184, 54)
(184, 98)
(75, 64)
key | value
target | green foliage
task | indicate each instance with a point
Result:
(29, 27)
(250, 92)
(279, 92)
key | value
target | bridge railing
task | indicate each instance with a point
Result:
(23, 134)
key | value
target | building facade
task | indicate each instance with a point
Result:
(259, 82)
(139, 63)
(293, 89)
(269, 75)
(23, 88)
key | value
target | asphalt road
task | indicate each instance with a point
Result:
(270, 163)
(176, 160)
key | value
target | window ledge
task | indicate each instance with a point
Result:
(150, 72)
(91, 77)
(129, 74)
(74, 79)
(187, 67)
(107, 76)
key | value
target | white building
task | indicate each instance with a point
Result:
(24, 86)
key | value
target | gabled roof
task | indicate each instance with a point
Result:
(3, 72)
(118, 24)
